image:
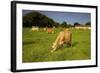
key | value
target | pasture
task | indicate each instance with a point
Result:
(37, 46)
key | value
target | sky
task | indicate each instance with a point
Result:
(69, 17)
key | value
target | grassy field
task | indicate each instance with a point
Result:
(37, 46)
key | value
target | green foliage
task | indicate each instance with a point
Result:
(76, 24)
(57, 25)
(37, 19)
(69, 25)
(88, 24)
(37, 46)
(64, 24)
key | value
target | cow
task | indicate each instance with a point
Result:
(34, 28)
(44, 29)
(63, 37)
(49, 30)
(80, 27)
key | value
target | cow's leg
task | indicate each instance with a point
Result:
(69, 44)
(54, 47)
(53, 50)
(61, 43)
(57, 42)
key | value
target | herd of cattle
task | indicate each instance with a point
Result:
(48, 30)
(79, 27)
(64, 37)
(51, 30)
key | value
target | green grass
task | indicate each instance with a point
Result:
(37, 46)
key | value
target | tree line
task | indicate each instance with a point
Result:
(40, 20)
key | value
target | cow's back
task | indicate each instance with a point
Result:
(67, 36)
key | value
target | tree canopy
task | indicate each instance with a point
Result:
(77, 24)
(37, 19)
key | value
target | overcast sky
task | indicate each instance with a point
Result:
(69, 17)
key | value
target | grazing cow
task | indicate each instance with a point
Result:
(34, 28)
(49, 30)
(44, 29)
(80, 27)
(63, 37)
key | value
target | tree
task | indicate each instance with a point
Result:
(69, 25)
(88, 24)
(64, 24)
(57, 24)
(37, 19)
(76, 24)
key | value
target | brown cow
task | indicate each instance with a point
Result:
(49, 30)
(63, 37)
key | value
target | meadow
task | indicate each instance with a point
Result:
(37, 46)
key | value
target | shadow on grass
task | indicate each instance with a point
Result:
(74, 44)
(29, 42)
(65, 46)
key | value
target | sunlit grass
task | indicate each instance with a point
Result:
(37, 46)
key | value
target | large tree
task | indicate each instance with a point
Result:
(37, 19)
